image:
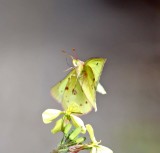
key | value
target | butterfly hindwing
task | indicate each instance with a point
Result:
(87, 83)
(100, 89)
(75, 94)
(58, 90)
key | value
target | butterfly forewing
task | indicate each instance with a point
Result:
(96, 65)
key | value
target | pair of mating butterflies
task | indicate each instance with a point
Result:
(80, 85)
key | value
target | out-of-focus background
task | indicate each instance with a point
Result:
(32, 35)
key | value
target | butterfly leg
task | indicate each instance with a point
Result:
(69, 69)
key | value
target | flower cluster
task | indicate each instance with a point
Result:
(74, 130)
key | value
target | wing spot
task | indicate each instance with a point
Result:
(85, 74)
(74, 92)
(97, 64)
(86, 102)
(81, 105)
(66, 88)
(93, 79)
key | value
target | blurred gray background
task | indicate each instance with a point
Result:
(32, 35)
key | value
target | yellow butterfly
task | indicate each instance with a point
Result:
(80, 85)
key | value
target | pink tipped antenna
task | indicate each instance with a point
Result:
(65, 52)
(75, 53)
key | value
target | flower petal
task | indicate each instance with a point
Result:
(103, 149)
(91, 133)
(77, 122)
(58, 126)
(50, 114)
(94, 150)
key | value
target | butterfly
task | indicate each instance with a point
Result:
(80, 85)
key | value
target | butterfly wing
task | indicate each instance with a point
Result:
(87, 83)
(100, 89)
(75, 94)
(58, 90)
(96, 64)
(89, 79)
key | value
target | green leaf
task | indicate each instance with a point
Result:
(50, 114)
(77, 122)
(58, 126)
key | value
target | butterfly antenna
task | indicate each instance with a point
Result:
(70, 67)
(67, 62)
(75, 53)
(63, 51)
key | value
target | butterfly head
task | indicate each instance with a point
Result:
(77, 62)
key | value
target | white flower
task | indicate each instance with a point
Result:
(100, 149)
(50, 114)
(95, 147)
